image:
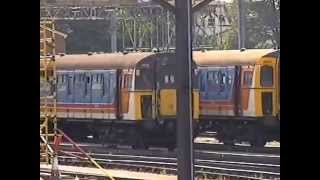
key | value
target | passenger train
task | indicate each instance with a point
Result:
(131, 98)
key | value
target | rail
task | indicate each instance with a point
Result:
(245, 165)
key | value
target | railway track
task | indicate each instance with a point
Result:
(197, 147)
(206, 163)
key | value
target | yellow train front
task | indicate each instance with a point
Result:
(119, 98)
(240, 94)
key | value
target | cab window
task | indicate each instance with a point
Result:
(266, 78)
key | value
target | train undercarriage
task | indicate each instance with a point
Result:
(146, 133)
(255, 131)
(138, 135)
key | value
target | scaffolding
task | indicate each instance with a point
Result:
(48, 111)
(48, 102)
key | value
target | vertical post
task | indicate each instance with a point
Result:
(134, 35)
(113, 27)
(151, 28)
(163, 30)
(157, 31)
(242, 27)
(184, 90)
(123, 36)
(194, 26)
(168, 30)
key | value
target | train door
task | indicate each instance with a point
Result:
(246, 89)
(145, 87)
(166, 88)
(125, 91)
(267, 84)
(146, 106)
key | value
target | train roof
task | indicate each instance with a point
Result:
(100, 61)
(231, 57)
(130, 60)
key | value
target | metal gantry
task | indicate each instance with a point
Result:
(145, 25)
(48, 107)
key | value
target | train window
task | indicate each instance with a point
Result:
(86, 85)
(96, 78)
(216, 84)
(202, 83)
(78, 78)
(166, 79)
(81, 78)
(211, 76)
(196, 72)
(105, 85)
(266, 76)
(247, 78)
(222, 78)
(172, 79)
(88, 79)
(229, 79)
(216, 77)
(69, 85)
(85, 90)
(137, 72)
(112, 87)
(129, 80)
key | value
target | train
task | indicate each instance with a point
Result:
(131, 98)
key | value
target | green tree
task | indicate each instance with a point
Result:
(230, 37)
(262, 24)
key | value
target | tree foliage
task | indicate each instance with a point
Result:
(262, 24)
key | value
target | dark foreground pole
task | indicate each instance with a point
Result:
(242, 24)
(184, 90)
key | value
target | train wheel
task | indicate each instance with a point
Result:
(229, 142)
(258, 142)
(139, 145)
(138, 141)
(171, 146)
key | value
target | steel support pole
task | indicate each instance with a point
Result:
(183, 10)
(242, 25)
(113, 28)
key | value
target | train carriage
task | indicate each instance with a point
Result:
(132, 97)
(111, 96)
(239, 94)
